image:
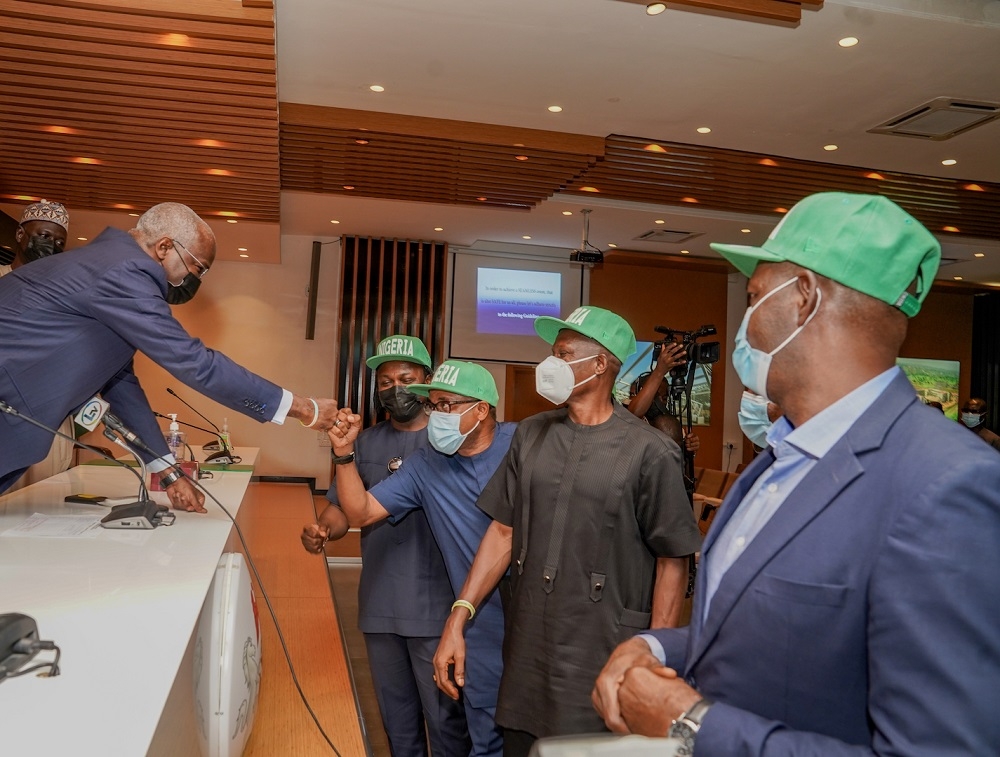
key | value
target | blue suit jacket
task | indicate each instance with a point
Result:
(69, 327)
(865, 616)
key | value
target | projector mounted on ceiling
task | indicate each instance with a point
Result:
(587, 254)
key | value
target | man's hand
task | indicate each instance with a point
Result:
(628, 655)
(650, 699)
(184, 495)
(344, 431)
(304, 411)
(672, 355)
(451, 651)
(314, 537)
(692, 443)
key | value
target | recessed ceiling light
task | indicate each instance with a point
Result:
(974, 188)
(957, 278)
(481, 199)
(848, 42)
(829, 148)
(241, 249)
(175, 40)
(334, 221)
(525, 236)
(659, 220)
(611, 244)
(767, 162)
(228, 214)
(654, 148)
(567, 212)
(87, 161)
(521, 157)
(689, 199)
(745, 231)
(876, 176)
(26, 198)
(685, 252)
(781, 210)
(949, 162)
(218, 172)
(953, 229)
(980, 255)
(134, 215)
(231, 220)
(348, 186)
(555, 109)
(59, 130)
(122, 206)
(377, 88)
(82, 239)
(244, 255)
(703, 130)
(360, 141)
(438, 228)
(589, 189)
(655, 9)
(209, 143)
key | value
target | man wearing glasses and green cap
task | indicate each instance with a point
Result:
(591, 516)
(468, 444)
(847, 601)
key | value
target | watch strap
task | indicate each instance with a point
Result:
(170, 478)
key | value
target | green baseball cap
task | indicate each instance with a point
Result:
(606, 328)
(409, 349)
(865, 242)
(468, 379)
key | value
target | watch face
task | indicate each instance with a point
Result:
(394, 464)
(685, 735)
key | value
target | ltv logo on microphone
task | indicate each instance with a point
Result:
(91, 413)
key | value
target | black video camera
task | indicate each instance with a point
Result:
(698, 353)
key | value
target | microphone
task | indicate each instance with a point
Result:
(90, 414)
(142, 514)
(224, 456)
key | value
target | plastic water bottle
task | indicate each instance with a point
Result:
(225, 434)
(175, 438)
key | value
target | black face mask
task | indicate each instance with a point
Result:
(402, 404)
(183, 292)
(39, 247)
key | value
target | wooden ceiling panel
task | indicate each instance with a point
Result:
(170, 99)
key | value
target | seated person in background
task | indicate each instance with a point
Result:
(974, 416)
(445, 482)
(404, 595)
(935, 405)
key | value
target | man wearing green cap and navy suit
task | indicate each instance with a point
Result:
(591, 516)
(468, 446)
(848, 601)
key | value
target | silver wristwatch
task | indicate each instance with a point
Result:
(686, 727)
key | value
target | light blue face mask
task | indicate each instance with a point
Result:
(972, 419)
(443, 431)
(753, 418)
(752, 365)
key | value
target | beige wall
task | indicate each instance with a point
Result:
(256, 315)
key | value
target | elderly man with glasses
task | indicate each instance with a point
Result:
(468, 445)
(73, 323)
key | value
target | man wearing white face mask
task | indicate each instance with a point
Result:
(974, 417)
(468, 446)
(847, 602)
(590, 504)
(756, 417)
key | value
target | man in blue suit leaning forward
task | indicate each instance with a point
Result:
(71, 324)
(848, 601)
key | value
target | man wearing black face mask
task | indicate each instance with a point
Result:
(73, 323)
(43, 231)
(404, 593)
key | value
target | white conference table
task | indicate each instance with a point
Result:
(121, 604)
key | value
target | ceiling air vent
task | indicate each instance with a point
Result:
(939, 119)
(667, 236)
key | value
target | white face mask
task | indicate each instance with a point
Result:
(752, 365)
(753, 418)
(554, 378)
(972, 419)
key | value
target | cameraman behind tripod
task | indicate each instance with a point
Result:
(650, 396)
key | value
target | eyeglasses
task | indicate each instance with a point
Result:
(202, 268)
(444, 406)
